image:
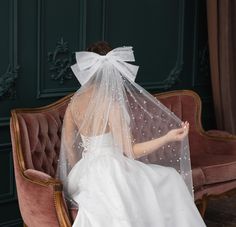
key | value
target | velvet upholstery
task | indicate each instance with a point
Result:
(35, 135)
(35, 200)
(213, 160)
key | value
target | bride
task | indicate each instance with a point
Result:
(112, 130)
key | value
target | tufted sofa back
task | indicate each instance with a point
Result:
(40, 133)
(186, 104)
(40, 128)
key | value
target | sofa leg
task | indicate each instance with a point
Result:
(202, 206)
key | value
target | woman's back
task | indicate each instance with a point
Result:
(81, 107)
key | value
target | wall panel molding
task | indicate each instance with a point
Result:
(201, 64)
(13, 223)
(43, 92)
(174, 73)
(60, 60)
(7, 83)
(8, 78)
(104, 20)
(4, 121)
(9, 195)
(195, 44)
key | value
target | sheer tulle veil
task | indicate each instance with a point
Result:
(109, 101)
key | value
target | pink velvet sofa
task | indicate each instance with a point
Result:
(35, 135)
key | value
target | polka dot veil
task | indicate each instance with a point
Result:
(110, 102)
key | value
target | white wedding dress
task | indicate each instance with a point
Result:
(114, 191)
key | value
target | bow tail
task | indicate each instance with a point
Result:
(126, 69)
(84, 75)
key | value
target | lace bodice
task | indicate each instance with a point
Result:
(95, 143)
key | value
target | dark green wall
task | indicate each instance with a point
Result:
(37, 42)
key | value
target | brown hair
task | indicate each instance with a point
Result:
(100, 47)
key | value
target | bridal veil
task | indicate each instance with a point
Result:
(109, 101)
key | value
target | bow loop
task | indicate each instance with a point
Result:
(122, 54)
(87, 63)
(86, 59)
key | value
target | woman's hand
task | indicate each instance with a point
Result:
(178, 134)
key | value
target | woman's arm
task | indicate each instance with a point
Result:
(141, 149)
(144, 148)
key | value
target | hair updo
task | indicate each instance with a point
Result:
(100, 47)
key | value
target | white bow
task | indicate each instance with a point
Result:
(89, 62)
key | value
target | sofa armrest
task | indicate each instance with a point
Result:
(219, 142)
(41, 194)
(38, 175)
(219, 133)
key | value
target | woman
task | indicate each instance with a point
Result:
(111, 127)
